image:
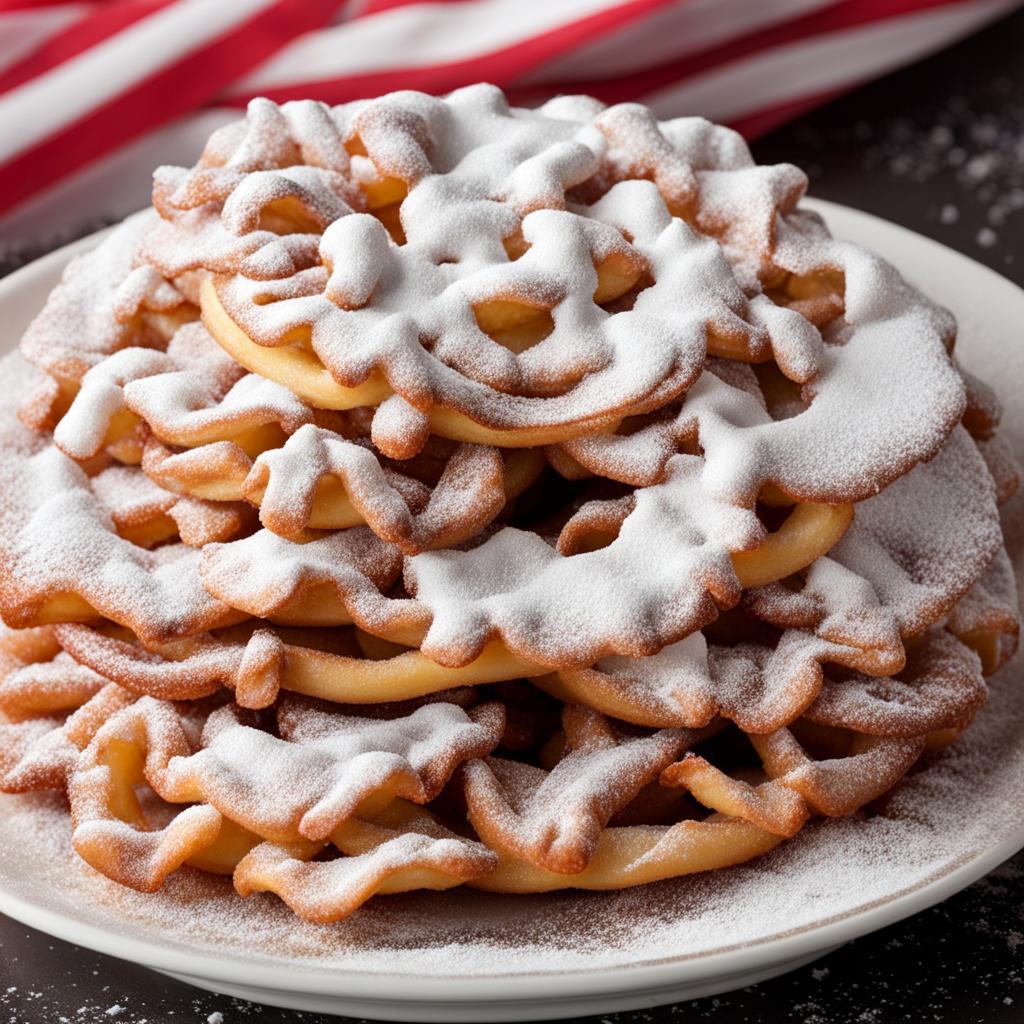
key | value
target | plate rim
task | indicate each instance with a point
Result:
(561, 983)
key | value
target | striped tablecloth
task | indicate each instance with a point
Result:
(93, 95)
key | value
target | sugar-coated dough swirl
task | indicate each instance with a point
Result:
(544, 501)
(474, 174)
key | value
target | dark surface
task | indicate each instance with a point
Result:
(939, 148)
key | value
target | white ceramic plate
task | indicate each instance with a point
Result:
(476, 957)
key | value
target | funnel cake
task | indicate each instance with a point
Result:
(440, 493)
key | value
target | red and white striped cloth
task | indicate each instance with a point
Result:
(94, 94)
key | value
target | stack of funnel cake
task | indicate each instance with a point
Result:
(430, 493)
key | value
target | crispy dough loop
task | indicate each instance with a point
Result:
(147, 515)
(554, 820)
(39, 679)
(892, 574)
(337, 763)
(941, 688)
(149, 742)
(114, 303)
(809, 531)
(380, 858)
(987, 617)
(41, 753)
(65, 562)
(111, 830)
(318, 480)
(200, 665)
(747, 818)
(287, 483)
(328, 580)
(689, 684)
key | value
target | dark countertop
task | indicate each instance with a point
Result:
(939, 148)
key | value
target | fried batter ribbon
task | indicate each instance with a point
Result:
(750, 811)
(63, 560)
(401, 849)
(340, 766)
(614, 519)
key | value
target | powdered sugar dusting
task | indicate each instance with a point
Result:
(520, 208)
(58, 538)
(738, 225)
(962, 804)
(97, 302)
(515, 585)
(331, 763)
